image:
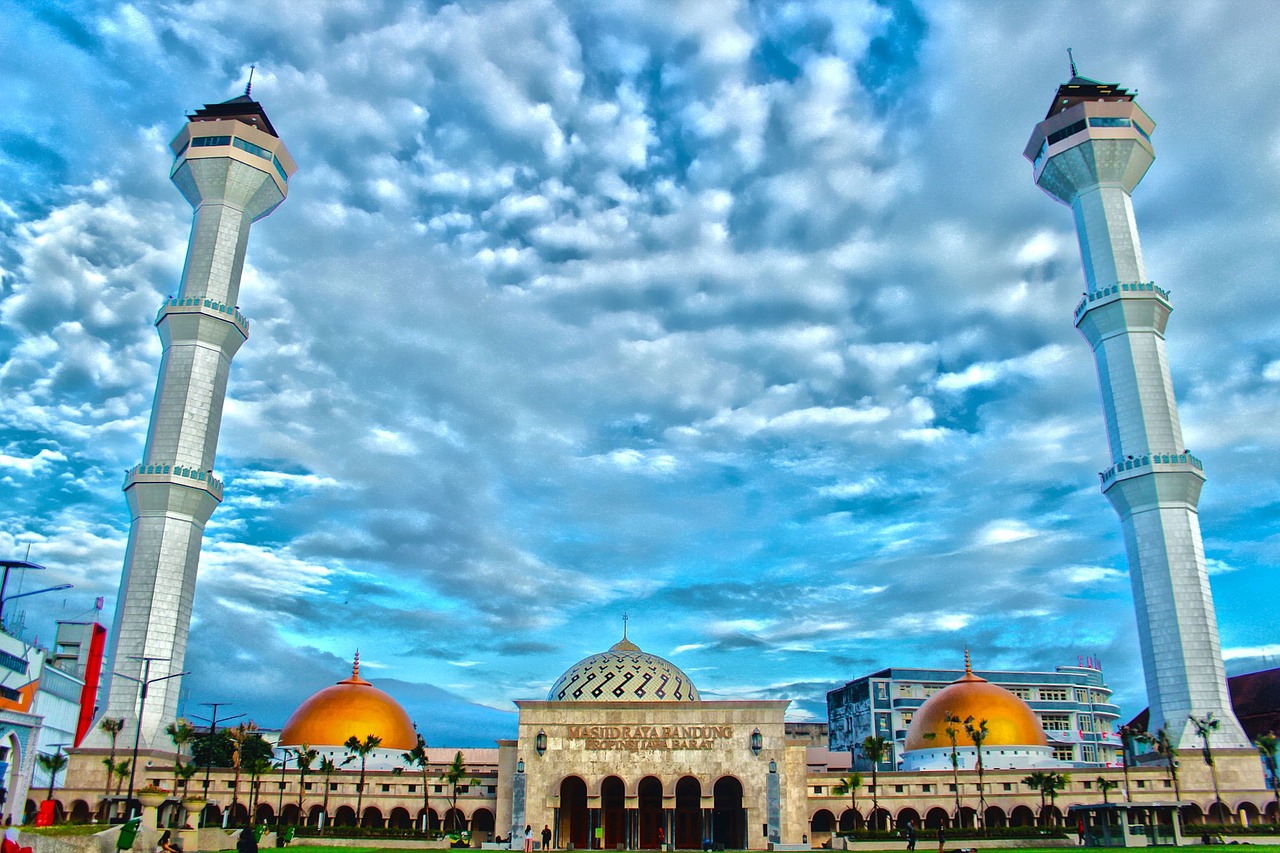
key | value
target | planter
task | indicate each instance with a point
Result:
(152, 799)
(194, 805)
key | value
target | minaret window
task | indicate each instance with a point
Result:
(210, 141)
(251, 148)
(1109, 121)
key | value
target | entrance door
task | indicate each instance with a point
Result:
(650, 807)
(613, 812)
(729, 818)
(688, 832)
(574, 821)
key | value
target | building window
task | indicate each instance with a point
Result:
(386, 788)
(462, 789)
(438, 789)
(1056, 722)
(1023, 693)
(1064, 753)
(930, 689)
(904, 689)
(928, 789)
(1108, 121)
(1089, 752)
(308, 786)
(881, 693)
(1069, 130)
(1088, 786)
(1167, 783)
(951, 787)
(817, 789)
(413, 788)
(251, 148)
(1086, 723)
(210, 141)
(1142, 783)
(333, 786)
(1008, 786)
(897, 789)
(230, 785)
(1054, 694)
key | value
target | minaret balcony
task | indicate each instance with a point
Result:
(1136, 466)
(208, 307)
(1123, 290)
(175, 474)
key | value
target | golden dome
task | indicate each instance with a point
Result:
(1010, 721)
(623, 674)
(352, 707)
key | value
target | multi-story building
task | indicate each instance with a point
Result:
(1072, 704)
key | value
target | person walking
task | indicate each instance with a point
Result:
(247, 842)
(546, 837)
(911, 835)
(942, 840)
(528, 838)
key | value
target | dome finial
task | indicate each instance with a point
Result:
(625, 618)
(355, 667)
(968, 667)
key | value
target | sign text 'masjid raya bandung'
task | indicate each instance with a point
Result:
(631, 738)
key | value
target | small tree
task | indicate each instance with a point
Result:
(112, 726)
(52, 764)
(1160, 742)
(1036, 782)
(850, 785)
(257, 766)
(1205, 726)
(306, 756)
(874, 749)
(122, 773)
(1055, 783)
(239, 735)
(453, 776)
(1105, 785)
(180, 732)
(417, 757)
(1127, 735)
(361, 749)
(327, 769)
(953, 735)
(1266, 745)
(977, 733)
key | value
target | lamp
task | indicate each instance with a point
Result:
(520, 766)
(540, 742)
(773, 766)
(757, 742)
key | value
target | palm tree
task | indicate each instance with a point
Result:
(327, 769)
(122, 773)
(257, 766)
(180, 732)
(361, 749)
(1036, 782)
(306, 756)
(874, 749)
(1127, 734)
(417, 757)
(850, 785)
(953, 734)
(1266, 745)
(112, 726)
(239, 735)
(978, 733)
(52, 764)
(1204, 726)
(1105, 785)
(1160, 742)
(453, 775)
(1056, 782)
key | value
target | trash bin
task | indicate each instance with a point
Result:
(259, 831)
(128, 833)
(288, 833)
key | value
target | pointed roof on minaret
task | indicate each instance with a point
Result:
(1080, 88)
(240, 108)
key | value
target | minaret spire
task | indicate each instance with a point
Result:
(248, 87)
(1070, 58)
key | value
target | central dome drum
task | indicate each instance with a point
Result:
(623, 674)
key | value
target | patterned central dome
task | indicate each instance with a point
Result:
(623, 674)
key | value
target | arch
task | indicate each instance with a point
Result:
(80, 812)
(1191, 814)
(1272, 815)
(994, 818)
(1249, 814)
(687, 834)
(613, 812)
(1022, 816)
(317, 817)
(344, 816)
(728, 817)
(649, 808)
(372, 818)
(291, 815)
(1218, 813)
(29, 812)
(851, 819)
(574, 819)
(432, 823)
(455, 820)
(212, 815)
(400, 818)
(968, 817)
(936, 818)
(237, 815)
(1051, 816)
(906, 816)
(880, 818)
(481, 825)
(264, 814)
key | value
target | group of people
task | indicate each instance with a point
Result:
(528, 838)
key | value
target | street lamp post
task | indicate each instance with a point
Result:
(213, 730)
(284, 762)
(4, 582)
(144, 682)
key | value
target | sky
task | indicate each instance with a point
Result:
(744, 319)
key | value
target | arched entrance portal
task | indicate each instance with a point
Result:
(729, 819)
(613, 813)
(649, 803)
(688, 817)
(574, 820)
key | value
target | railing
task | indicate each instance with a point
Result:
(1149, 461)
(197, 303)
(205, 478)
(1122, 287)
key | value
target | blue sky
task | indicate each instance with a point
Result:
(745, 319)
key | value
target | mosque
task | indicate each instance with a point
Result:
(623, 751)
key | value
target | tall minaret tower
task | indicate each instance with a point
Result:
(1090, 151)
(234, 170)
